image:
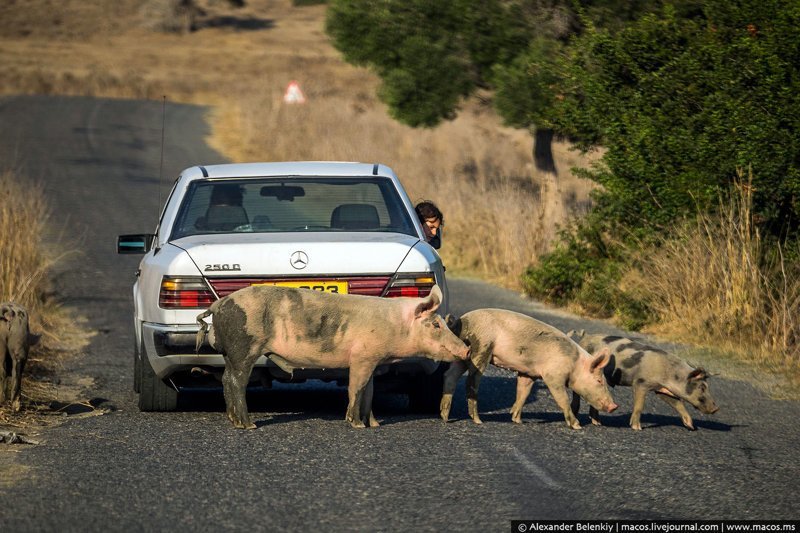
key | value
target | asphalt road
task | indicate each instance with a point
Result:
(304, 467)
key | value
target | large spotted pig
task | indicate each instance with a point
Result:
(646, 368)
(15, 341)
(531, 348)
(299, 328)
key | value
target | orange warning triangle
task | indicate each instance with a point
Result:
(293, 94)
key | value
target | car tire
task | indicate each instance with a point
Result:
(425, 391)
(154, 394)
(137, 367)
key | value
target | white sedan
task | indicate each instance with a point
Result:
(328, 226)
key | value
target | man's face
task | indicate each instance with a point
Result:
(431, 227)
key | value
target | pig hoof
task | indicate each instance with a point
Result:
(358, 424)
(477, 420)
(374, 423)
(636, 427)
(596, 422)
(516, 419)
(690, 427)
(576, 425)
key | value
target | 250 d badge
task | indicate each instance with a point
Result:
(222, 268)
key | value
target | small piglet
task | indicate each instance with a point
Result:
(531, 348)
(15, 341)
(646, 368)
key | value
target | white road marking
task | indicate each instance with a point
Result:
(535, 469)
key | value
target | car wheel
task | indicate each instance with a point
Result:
(425, 391)
(154, 394)
(137, 367)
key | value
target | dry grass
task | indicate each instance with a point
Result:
(23, 279)
(240, 61)
(716, 283)
(478, 172)
(708, 285)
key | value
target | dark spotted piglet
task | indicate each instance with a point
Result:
(646, 368)
(15, 341)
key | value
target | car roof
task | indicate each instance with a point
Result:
(293, 168)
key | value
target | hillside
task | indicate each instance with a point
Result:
(239, 62)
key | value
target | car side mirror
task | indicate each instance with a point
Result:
(135, 244)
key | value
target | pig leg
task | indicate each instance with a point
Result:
(234, 386)
(3, 376)
(561, 396)
(473, 382)
(360, 375)
(524, 386)
(639, 394)
(558, 389)
(17, 367)
(451, 378)
(594, 415)
(576, 403)
(366, 404)
(677, 404)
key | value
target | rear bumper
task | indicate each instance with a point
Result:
(171, 349)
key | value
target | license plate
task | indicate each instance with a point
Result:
(338, 287)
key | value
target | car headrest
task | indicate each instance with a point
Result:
(355, 217)
(225, 217)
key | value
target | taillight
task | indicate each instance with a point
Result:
(411, 285)
(184, 293)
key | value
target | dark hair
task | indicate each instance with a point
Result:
(427, 209)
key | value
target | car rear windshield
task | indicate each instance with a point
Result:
(267, 205)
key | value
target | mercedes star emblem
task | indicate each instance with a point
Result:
(299, 260)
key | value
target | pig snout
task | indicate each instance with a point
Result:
(611, 407)
(451, 348)
(455, 353)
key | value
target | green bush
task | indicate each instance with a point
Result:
(558, 276)
(683, 100)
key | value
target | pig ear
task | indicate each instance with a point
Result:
(7, 314)
(576, 334)
(697, 374)
(453, 324)
(430, 304)
(601, 359)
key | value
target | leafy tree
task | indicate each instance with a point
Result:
(683, 100)
(430, 54)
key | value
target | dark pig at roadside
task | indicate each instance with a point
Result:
(301, 328)
(649, 369)
(534, 350)
(15, 342)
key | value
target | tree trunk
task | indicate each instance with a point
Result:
(553, 213)
(543, 150)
